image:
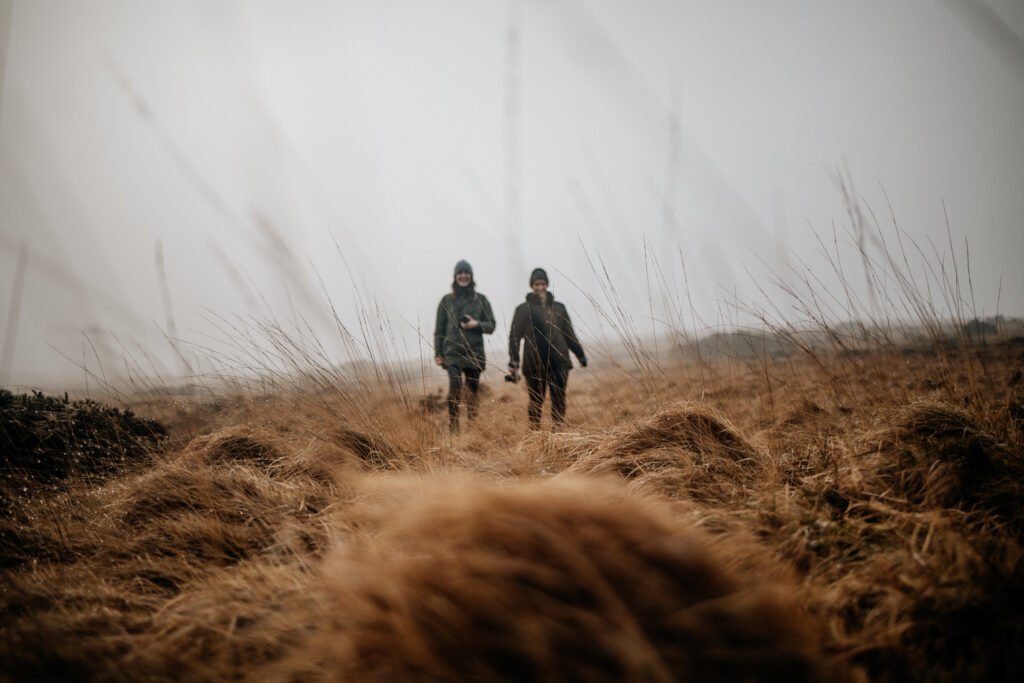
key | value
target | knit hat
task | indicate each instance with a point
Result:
(538, 274)
(463, 265)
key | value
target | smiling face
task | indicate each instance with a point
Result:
(540, 288)
(463, 278)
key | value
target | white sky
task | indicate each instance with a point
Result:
(241, 136)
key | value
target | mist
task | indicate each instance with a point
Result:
(175, 176)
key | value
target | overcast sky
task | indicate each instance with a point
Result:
(262, 154)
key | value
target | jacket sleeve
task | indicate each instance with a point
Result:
(515, 335)
(440, 327)
(570, 335)
(487, 320)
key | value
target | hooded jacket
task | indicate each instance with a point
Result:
(458, 347)
(549, 336)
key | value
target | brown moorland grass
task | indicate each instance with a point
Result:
(571, 579)
(313, 536)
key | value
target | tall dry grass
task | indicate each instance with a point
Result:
(839, 500)
(261, 546)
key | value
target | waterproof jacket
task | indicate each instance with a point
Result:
(458, 347)
(549, 336)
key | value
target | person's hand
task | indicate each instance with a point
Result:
(470, 324)
(439, 360)
(583, 361)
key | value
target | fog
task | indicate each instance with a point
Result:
(174, 174)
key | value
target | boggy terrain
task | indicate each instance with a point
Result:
(841, 516)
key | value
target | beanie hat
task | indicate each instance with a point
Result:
(463, 265)
(538, 274)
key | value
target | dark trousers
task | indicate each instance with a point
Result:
(553, 380)
(455, 384)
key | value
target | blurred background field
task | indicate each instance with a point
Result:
(862, 509)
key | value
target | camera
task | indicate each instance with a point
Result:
(464, 318)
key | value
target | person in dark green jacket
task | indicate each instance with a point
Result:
(463, 318)
(545, 326)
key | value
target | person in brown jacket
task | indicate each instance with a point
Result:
(545, 326)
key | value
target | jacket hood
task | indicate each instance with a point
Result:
(534, 300)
